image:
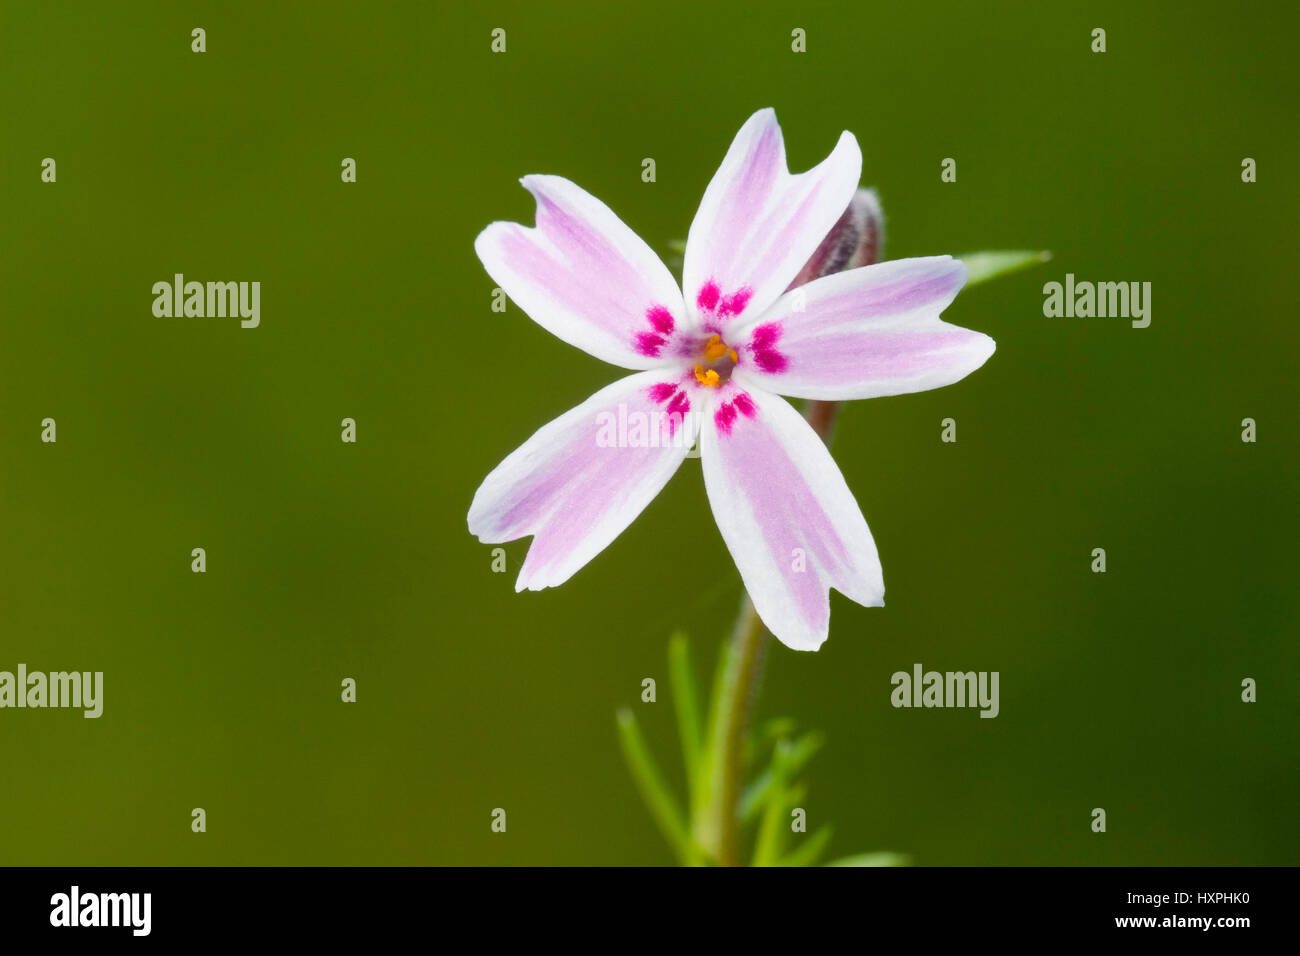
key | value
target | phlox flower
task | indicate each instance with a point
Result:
(710, 362)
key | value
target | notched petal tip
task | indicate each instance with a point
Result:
(539, 182)
(811, 647)
(848, 140)
(485, 236)
(981, 348)
(812, 642)
(580, 272)
(758, 223)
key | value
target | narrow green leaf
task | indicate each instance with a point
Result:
(983, 266)
(755, 796)
(872, 859)
(645, 773)
(778, 728)
(769, 845)
(807, 852)
(795, 756)
(687, 706)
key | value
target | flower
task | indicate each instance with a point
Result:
(709, 367)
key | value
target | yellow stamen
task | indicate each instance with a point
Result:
(714, 349)
(708, 378)
(734, 356)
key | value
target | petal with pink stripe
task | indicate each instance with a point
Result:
(581, 479)
(786, 515)
(757, 224)
(863, 333)
(587, 278)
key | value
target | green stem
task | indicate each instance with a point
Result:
(748, 644)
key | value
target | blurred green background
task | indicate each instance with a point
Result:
(328, 560)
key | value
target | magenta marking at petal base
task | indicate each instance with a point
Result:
(707, 300)
(763, 344)
(735, 303)
(649, 344)
(661, 319)
(662, 391)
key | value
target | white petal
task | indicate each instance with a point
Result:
(757, 224)
(786, 514)
(580, 480)
(587, 278)
(863, 333)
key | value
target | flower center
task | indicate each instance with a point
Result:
(719, 360)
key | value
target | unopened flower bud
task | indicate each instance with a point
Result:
(855, 240)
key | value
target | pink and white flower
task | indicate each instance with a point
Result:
(710, 366)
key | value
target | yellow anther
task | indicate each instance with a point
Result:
(714, 349)
(734, 356)
(706, 377)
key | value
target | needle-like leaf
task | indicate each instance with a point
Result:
(649, 781)
(983, 266)
(795, 756)
(686, 704)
